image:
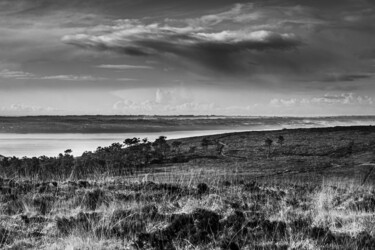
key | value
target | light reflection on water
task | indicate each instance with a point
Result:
(52, 144)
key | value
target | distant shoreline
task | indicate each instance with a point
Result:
(31, 145)
(160, 124)
(186, 116)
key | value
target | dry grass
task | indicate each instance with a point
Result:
(125, 214)
(308, 195)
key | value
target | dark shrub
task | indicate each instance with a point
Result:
(235, 221)
(323, 235)
(83, 184)
(229, 245)
(227, 183)
(267, 228)
(5, 236)
(198, 227)
(149, 211)
(82, 222)
(365, 241)
(33, 219)
(300, 225)
(251, 187)
(64, 225)
(202, 188)
(43, 203)
(13, 207)
(179, 159)
(367, 203)
(93, 199)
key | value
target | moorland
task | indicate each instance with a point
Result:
(282, 189)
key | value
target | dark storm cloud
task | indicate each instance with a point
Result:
(114, 8)
(302, 41)
(346, 77)
(217, 50)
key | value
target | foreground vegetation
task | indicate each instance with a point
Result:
(289, 189)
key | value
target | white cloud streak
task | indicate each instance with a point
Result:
(328, 99)
(177, 101)
(24, 108)
(72, 78)
(123, 67)
(20, 75)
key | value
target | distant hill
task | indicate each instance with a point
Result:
(134, 124)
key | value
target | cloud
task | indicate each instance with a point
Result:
(127, 79)
(172, 96)
(150, 108)
(240, 13)
(20, 75)
(72, 78)
(133, 107)
(273, 46)
(340, 77)
(110, 66)
(284, 102)
(178, 101)
(298, 42)
(27, 109)
(138, 39)
(345, 99)
(221, 50)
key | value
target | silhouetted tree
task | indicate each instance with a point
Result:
(115, 147)
(205, 143)
(268, 143)
(350, 147)
(68, 151)
(220, 147)
(161, 146)
(146, 150)
(132, 141)
(192, 149)
(176, 145)
(280, 140)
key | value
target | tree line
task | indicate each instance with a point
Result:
(125, 158)
(117, 159)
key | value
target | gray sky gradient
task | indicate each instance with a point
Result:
(272, 57)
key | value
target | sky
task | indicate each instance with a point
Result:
(175, 57)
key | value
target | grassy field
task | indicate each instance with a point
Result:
(312, 190)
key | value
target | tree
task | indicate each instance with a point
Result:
(192, 149)
(132, 141)
(280, 140)
(220, 147)
(68, 151)
(268, 143)
(176, 145)
(350, 148)
(115, 147)
(146, 150)
(206, 143)
(161, 146)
